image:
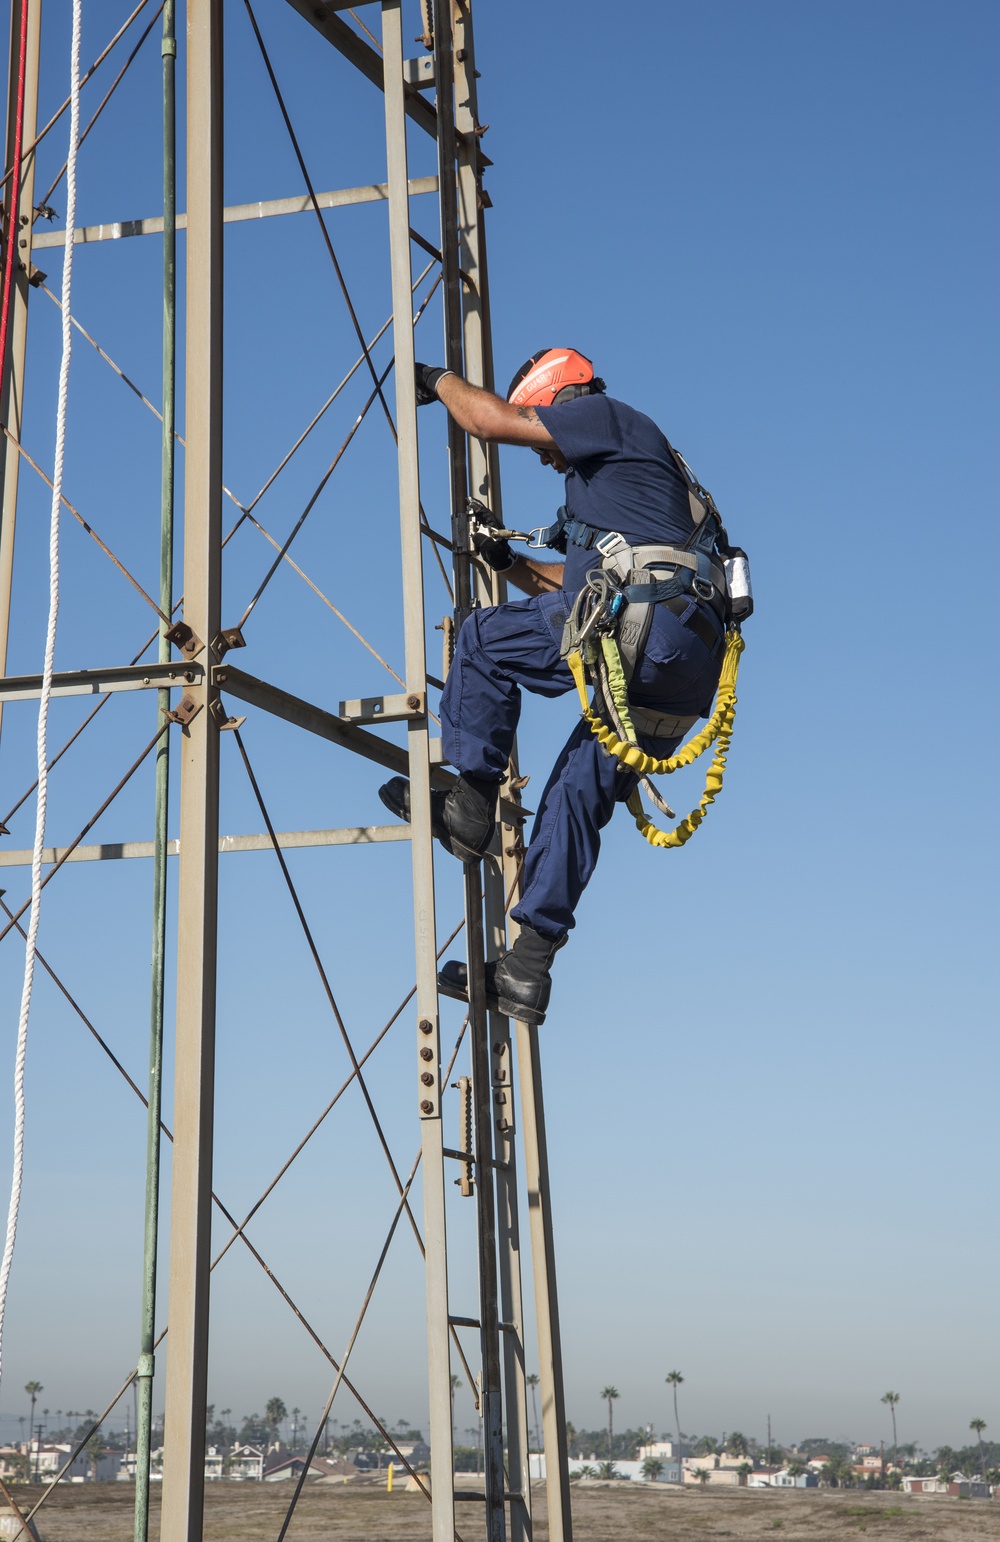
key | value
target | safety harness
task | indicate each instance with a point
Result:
(608, 627)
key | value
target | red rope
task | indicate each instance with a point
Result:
(10, 251)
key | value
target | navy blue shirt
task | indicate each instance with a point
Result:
(621, 477)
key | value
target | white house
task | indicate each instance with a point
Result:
(215, 1464)
(630, 1470)
(246, 1464)
(958, 1486)
(782, 1479)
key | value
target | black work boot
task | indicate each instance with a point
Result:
(518, 983)
(463, 818)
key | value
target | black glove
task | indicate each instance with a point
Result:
(496, 554)
(427, 382)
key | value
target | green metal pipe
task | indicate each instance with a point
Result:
(144, 1421)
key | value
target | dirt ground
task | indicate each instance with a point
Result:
(602, 1512)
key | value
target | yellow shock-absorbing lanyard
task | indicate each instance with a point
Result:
(718, 731)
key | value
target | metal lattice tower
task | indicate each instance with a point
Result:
(199, 682)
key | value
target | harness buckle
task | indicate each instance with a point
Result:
(611, 543)
(703, 588)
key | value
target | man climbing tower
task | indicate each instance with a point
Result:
(627, 491)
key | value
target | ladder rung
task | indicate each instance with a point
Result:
(464, 1322)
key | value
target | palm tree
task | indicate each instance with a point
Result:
(273, 1414)
(701, 1473)
(892, 1398)
(532, 1382)
(675, 1380)
(92, 1451)
(32, 1388)
(979, 1425)
(611, 1393)
(652, 1469)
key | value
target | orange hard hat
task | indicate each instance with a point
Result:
(553, 375)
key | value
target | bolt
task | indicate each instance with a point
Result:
(499, 1048)
(501, 1074)
(145, 679)
(413, 702)
(510, 851)
(425, 1025)
(427, 1078)
(427, 1107)
(427, 1053)
(461, 55)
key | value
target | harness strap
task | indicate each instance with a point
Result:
(659, 725)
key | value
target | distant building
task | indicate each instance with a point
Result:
(215, 1464)
(45, 1462)
(958, 1486)
(723, 1467)
(279, 1469)
(782, 1479)
(663, 1450)
(246, 1464)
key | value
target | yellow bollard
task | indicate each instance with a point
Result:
(388, 1480)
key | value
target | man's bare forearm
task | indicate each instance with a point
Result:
(487, 416)
(535, 577)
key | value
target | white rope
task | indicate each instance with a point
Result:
(50, 648)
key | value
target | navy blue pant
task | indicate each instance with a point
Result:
(506, 647)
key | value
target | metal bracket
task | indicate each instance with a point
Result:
(187, 708)
(222, 717)
(229, 637)
(385, 709)
(419, 72)
(185, 639)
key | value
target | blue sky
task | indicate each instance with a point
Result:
(770, 1061)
